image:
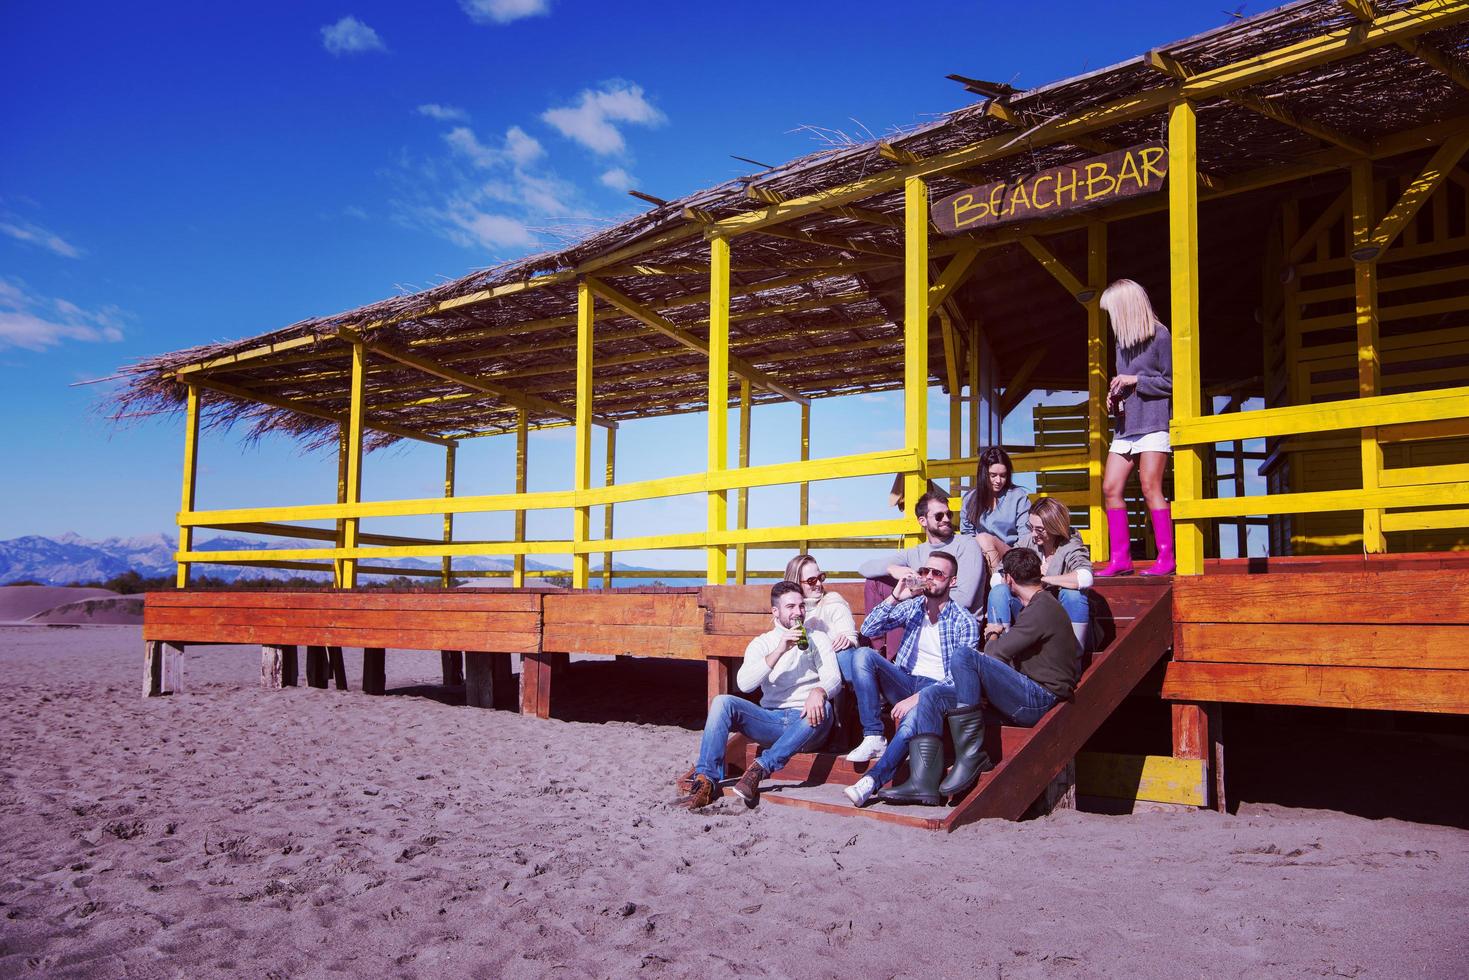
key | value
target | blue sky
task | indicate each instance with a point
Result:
(177, 174)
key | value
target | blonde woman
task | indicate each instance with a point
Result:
(1066, 568)
(1141, 400)
(825, 611)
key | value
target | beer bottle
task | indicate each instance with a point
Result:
(802, 642)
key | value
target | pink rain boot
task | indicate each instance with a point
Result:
(1163, 535)
(1119, 545)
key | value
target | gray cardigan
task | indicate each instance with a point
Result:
(1149, 405)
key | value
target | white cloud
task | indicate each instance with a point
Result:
(350, 36)
(617, 179)
(35, 323)
(24, 231)
(443, 113)
(470, 226)
(519, 149)
(504, 11)
(590, 121)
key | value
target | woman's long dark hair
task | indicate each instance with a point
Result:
(984, 499)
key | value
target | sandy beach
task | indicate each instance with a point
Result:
(306, 833)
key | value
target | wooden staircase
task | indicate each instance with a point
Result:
(1134, 619)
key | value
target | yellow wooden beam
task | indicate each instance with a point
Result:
(1436, 58)
(339, 568)
(1312, 235)
(805, 491)
(447, 563)
(190, 482)
(640, 312)
(1414, 196)
(956, 272)
(255, 353)
(839, 242)
(1325, 501)
(1163, 62)
(896, 154)
(1079, 291)
(354, 461)
(1019, 384)
(1096, 387)
(742, 505)
(1183, 252)
(522, 448)
(1383, 410)
(582, 470)
(310, 410)
(717, 502)
(1020, 119)
(1369, 365)
(607, 509)
(915, 338)
(1290, 59)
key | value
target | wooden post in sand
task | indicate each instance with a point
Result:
(480, 682)
(277, 667)
(338, 667)
(316, 667)
(163, 668)
(453, 663)
(374, 670)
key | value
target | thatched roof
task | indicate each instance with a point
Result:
(828, 282)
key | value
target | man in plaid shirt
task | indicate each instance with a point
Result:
(935, 628)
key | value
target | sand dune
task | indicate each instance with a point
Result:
(305, 832)
(109, 611)
(20, 602)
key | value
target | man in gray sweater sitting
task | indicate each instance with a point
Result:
(796, 674)
(937, 522)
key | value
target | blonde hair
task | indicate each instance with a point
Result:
(1130, 311)
(793, 567)
(1055, 517)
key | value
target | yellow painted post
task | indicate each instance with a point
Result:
(742, 508)
(339, 570)
(717, 556)
(582, 516)
(1096, 389)
(915, 339)
(1183, 251)
(956, 398)
(354, 461)
(1369, 365)
(805, 457)
(522, 433)
(976, 340)
(607, 508)
(447, 575)
(191, 475)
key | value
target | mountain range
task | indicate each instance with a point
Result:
(71, 558)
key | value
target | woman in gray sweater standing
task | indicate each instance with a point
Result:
(1141, 399)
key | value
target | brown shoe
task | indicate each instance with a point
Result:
(701, 793)
(685, 782)
(748, 788)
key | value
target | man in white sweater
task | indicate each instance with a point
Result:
(795, 685)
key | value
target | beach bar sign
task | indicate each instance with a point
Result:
(1092, 183)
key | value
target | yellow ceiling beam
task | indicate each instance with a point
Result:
(669, 329)
(312, 410)
(1058, 270)
(1302, 56)
(1414, 196)
(1435, 58)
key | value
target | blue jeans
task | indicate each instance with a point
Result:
(782, 730)
(926, 718)
(1003, 606)
(874, 677)
(1018, 698)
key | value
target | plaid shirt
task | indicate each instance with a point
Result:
(957, 629)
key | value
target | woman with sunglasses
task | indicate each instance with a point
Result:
(995, 510)
(825, 611)
(1066, 568)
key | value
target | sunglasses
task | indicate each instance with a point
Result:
(814, 580)
(926, 572)
(940, 515)
(1038, 528)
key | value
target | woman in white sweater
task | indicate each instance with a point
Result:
(825, 611)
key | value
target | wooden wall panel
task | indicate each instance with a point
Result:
(1327, 687)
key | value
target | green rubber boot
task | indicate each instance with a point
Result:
(970, 759)
(925, 769)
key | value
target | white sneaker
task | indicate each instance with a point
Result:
(861, 791)
(868, 749)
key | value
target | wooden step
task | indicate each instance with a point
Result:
(1026, 759)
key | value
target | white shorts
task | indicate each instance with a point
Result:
(1153, 442)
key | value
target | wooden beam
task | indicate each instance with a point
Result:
(1018, 388)
(582, 469)
(1183, 269)
(353, 437)
(1020, 119)
(1414, 196)
(915, 337)
(1079, 291)
(1291, 59)
(510, 396)
(1303, 246)
(191, 474)
(1436, 58)
(311, 410)
(1167, 64)
(959, 269)
(716, 557)
(640, 312)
